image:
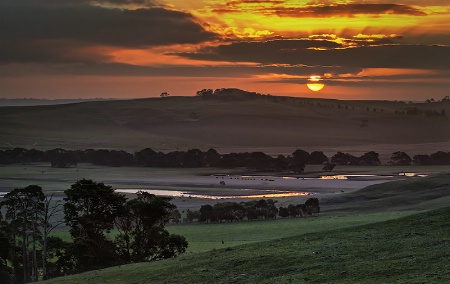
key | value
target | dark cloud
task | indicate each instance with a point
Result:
(119, 69)
(284, 52)
(40, 30)
(268, 52)
(323, 9)
(348, 10)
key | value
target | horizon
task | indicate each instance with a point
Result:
(357, 50)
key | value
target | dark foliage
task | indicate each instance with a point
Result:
(310, 207)
(195, 158)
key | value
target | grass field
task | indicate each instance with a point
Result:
(413, 249)
(393, 242)
(206, 237)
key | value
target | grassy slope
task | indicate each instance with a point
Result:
(414, 249)
(372, 204)
(412, 194)
(259, 123)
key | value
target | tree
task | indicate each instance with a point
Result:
(90, 209)
(283, 212)
(206, 213)
(400, 159)
(212, 158)
(142, 236)
(312, 206)
(22, 211)
(421, 160)
(370, 159)
(193, 158)
(344, 159)
(49, 210)
(440, 158)
(146, 157)
(5, 271)
(205, 93)
(318, 158)
(299, 160)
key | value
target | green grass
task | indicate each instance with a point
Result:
(413, 249)
(206, 237)
(411, 194)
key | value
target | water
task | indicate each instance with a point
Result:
(175, 193)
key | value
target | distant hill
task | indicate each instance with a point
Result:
(228, 121)
(38, 102)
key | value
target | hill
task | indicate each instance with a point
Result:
(414, 249)
(233, 122)
(414, 194)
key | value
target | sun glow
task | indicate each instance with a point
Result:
(314, 83)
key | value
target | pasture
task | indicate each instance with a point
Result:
(412, 249)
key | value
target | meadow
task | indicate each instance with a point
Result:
(412, 249)
(387, 232)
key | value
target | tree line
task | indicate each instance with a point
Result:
(195, 158)
(250, 210)
(90, 211)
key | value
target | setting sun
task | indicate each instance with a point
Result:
(315, 84)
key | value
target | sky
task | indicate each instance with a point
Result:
(361, 49)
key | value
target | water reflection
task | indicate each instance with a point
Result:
(175, 193)
(323, 177)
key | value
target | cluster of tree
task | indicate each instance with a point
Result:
(417, 111)
(228, 94)
(91, 211)
(195, 158)
(368, 159)
(398, 158)
(402, 159)
(192, 158)
(249, 210)
(310, 207)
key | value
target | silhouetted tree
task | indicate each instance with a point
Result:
(344, 159)
(440, 158)
(5, 270)
(421, 160)
(90, 209)
(400, 159)
(212, 158)
(370, 159)
(312, 206)
(142, 236)
(206, 213)
(317, 158)
(299, 160)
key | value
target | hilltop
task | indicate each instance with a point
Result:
(232, 122)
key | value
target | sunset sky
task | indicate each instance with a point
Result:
(140, 48)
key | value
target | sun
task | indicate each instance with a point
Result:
(314, 83)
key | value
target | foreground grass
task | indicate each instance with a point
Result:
(206, 237)
(413, 249)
